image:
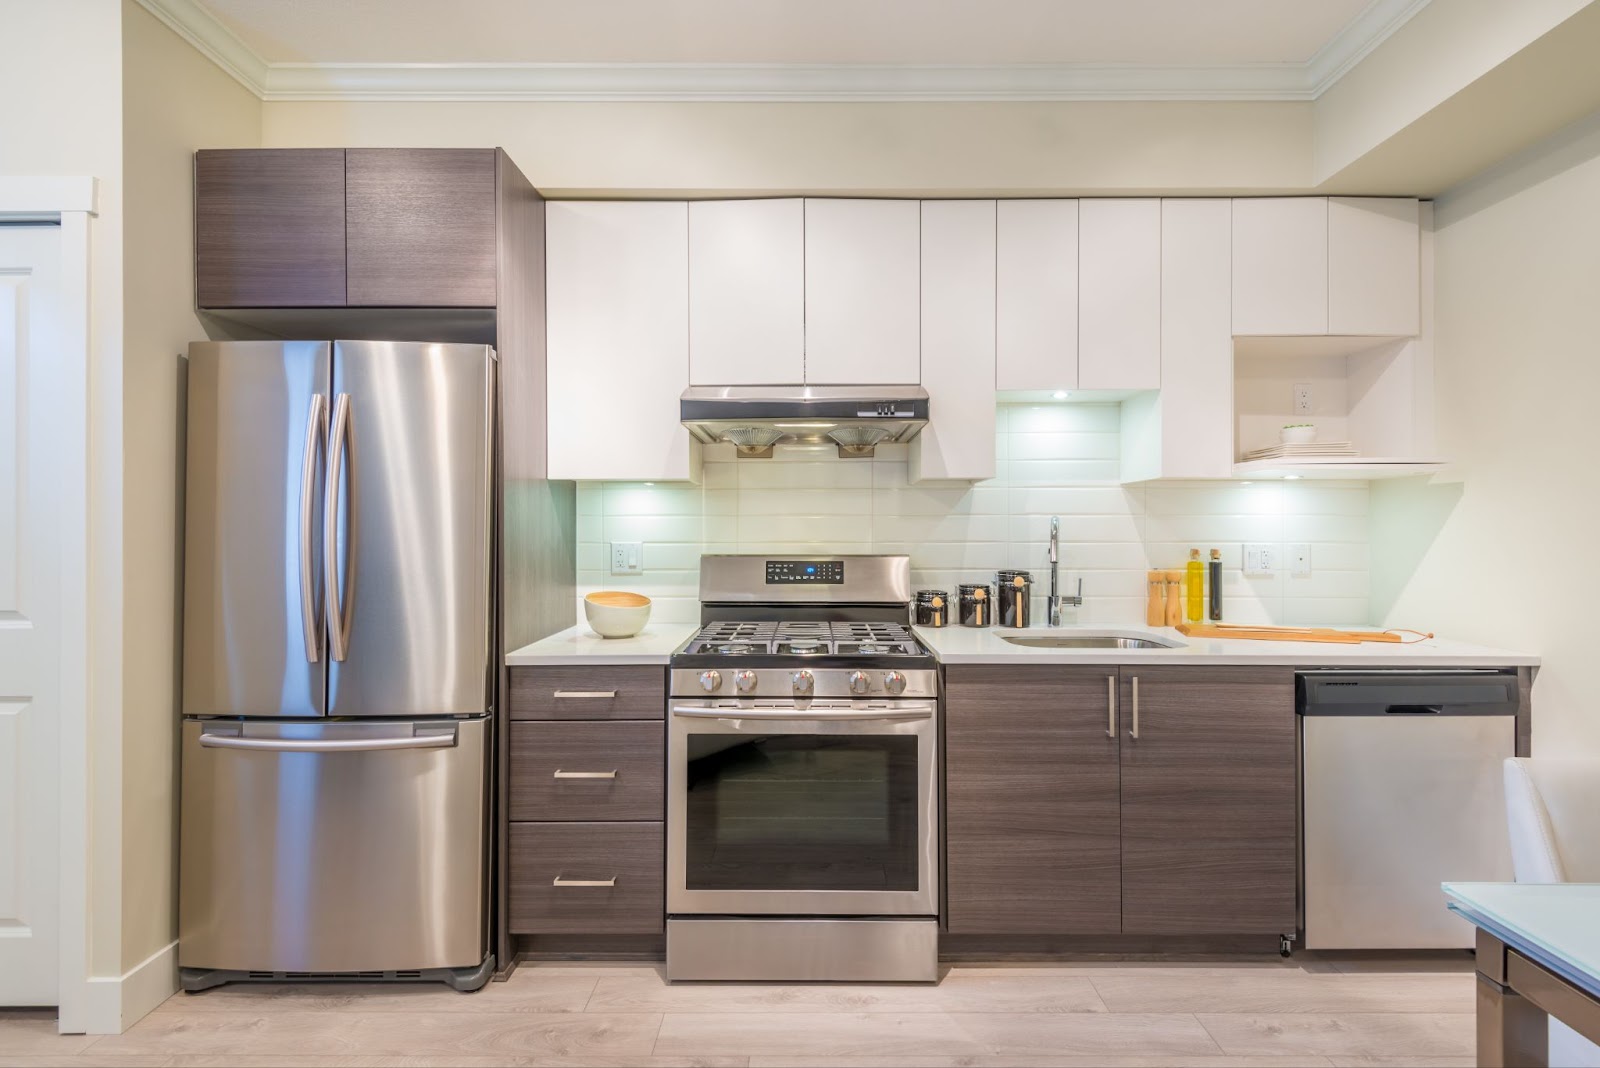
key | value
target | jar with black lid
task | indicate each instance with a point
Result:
(1016, 595)
(933, 608)
(977, 604)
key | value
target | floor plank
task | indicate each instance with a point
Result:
(1404, 1062)
(531, 990)
(1359, 1034)
(1266, 992)
(28, 1031)
(958, 993)
(988, 1061)
(387, 1034)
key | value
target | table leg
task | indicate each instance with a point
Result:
(1513, 1032)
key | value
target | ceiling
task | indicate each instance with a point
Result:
(916, 32)
(787, 49)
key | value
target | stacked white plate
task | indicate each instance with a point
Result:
(1303, 452)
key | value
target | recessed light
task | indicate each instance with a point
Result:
(1290, 478)
(1060, 394)
(1247, 483)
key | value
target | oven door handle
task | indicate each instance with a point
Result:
(812, 715)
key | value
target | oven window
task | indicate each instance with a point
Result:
(801, 812)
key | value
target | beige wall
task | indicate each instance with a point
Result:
(174, 101)
(905, 148)
(1506, 556)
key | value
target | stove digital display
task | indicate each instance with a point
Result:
(815, 572)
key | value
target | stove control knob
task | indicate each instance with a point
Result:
(894, 682)
(859, 683)
(710, 680)
(745, 680)
(803, 683)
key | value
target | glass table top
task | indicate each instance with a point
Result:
(1556, 923)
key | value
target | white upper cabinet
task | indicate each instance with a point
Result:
(746, 292)
(862, 292)
(1119, 294)
(1036, 298)
(1374, 269)
(1280, 265)
(618, 334)
(958, 341)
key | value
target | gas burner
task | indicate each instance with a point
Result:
(738, 648)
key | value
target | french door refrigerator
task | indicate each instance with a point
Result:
(337, 664)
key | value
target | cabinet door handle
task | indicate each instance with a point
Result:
(584, 693)
(1135, 731)
(562, 880)
(1111, 706)
(612, 774)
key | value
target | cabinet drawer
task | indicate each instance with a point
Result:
(587, 771)
(627, 859)
(598, 692)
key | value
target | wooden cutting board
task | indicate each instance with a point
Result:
(1285, 634)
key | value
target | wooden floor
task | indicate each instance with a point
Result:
(1307, 1011)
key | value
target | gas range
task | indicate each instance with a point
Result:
(802, 776)
(804, 627)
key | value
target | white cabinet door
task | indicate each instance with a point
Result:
(1036, 294)
(1196, 340)
(1374, 268)
(1119, 294)
(958, 291)
(746, 292)
(1280, 265)
(862, 292)
(618, 332)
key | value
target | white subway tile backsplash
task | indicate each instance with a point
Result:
(1054, 460)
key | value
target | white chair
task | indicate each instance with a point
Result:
(1553, 813)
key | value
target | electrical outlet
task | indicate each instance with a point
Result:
(627, 557)
(1300, 561)
(1302, 398)
(1260, 560)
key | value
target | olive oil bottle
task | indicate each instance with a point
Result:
(1195, 587)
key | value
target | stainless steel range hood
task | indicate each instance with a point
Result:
(755, 418)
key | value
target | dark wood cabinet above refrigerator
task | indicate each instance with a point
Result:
(346, 228)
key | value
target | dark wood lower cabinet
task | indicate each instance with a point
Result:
(1032, 825)
(1209, 792)
(588, 878)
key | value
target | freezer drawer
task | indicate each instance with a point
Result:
(1395, 805)
(333, 847)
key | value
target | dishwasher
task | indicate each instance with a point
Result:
(1400, 790)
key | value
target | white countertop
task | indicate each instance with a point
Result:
(971, 645)
(987, 645)
(580, 645)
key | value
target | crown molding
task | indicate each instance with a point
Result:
(589, 82)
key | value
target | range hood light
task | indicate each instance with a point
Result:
(803, 426)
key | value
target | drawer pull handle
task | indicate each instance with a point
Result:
(612, 774)
(585, 693)
(563, 881)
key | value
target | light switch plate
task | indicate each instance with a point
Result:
(627, 557)
(1300, 561)
(1260, 560)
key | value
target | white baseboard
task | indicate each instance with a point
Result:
(116, 1003)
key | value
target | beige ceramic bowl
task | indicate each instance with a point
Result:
(615, 614)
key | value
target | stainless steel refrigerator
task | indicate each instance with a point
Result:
(337, 661)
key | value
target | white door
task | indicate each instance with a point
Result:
(747, 292)
(1280, 265)
(1036, 294)
(1119, 293)
(29, 614)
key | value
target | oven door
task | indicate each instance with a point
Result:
(825, 808)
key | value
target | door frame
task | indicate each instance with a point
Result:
(70, 202)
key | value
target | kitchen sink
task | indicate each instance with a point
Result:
(1088, 641)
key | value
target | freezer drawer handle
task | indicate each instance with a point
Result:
(327, 745)
(1414, 710)
(316, 433)
(585, 693)
(561, 880)
(612, 774)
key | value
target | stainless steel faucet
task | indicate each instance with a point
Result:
(1055, 600)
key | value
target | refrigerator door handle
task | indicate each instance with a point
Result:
(316, 436)
(328, 745)
(338, 627)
